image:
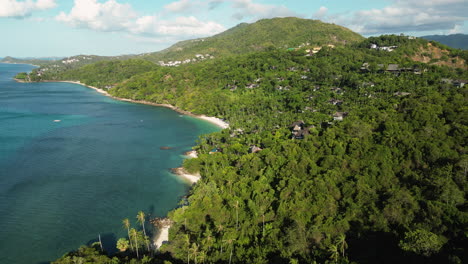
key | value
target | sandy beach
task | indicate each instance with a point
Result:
(191, 154)
(161, 236)
(192, 178)
(214, 120)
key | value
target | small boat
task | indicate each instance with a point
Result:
(57, 120)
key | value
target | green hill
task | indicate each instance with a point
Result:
(458, 41)
(285, 33)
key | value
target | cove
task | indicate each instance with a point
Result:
(74, 163)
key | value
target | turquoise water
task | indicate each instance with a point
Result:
(64, 183)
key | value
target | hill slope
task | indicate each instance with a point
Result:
(458, 41)
(288, 32)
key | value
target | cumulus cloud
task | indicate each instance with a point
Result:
(108, 16)
(13, 8)
(181, 26)
(113, 16)
(406, 16)
(321, 13)
(180, 6)
(247, 8)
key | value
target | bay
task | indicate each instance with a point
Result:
(74, 163)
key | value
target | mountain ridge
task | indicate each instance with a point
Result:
(457, 41)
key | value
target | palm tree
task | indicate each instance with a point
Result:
(237, 214)
(141, 219)
(341, 242)
(187, 240)
(333, 249)
(194, 250)
(134, 233)
(229, 241)
(126, 224)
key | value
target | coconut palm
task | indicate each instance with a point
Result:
(122, 244)
(134, 234)
(341, 243)
(333, 249)
(126, 224)
(141, 220)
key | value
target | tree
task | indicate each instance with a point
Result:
(421, 242)
(126, 224)
(141, 219)
(134, 234)
(341, 243)
(122, 244)
(334, 254)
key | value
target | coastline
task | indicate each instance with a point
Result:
(163, 233)
(214, 120)
(192, 178)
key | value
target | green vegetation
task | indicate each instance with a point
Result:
(379, 174)
(264, 34)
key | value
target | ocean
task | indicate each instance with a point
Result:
(74, 163)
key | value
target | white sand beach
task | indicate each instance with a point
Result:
(214, 120)
(192, 178)
(191, 154)
(163, 235)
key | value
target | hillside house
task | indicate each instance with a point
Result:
(299, 130)
(254, 149)
(339, 116)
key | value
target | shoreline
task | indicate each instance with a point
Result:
(163, 233)
(214, 120)
(192, 178)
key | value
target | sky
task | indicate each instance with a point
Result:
(46, 28)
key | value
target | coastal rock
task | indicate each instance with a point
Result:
(165, 148)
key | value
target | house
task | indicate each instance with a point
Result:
(215, 150)
(335, 102)
(251, 85)
(299, 131)
(401, 94)
(393, 68)
(254, 149)
(338, 116)
(365, 67)
(459, 83)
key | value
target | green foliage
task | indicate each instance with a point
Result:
(21, 76)
(123, 244)
(396, 162)
(421, 242)
(265, 34)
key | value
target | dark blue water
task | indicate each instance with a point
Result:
(64, 183)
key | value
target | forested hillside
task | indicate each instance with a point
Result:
(352, 154)
(288, 32)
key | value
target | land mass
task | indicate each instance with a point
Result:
(334, 149)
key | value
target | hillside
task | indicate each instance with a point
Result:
(457, 41)
(284, 33)
(325, 160)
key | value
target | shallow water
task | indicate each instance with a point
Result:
(64, 183)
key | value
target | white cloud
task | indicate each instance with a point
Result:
(181, 26)
(321, 13)
(113, 16)
(247, 8)
(456, 29)
(108, 16)
(179, 6)
(13, 8)
(406, 16)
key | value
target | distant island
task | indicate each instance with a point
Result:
(457, 41)
(340, 148)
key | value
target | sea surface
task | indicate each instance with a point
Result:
(74, 163)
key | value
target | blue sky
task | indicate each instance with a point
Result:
(44, 28)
